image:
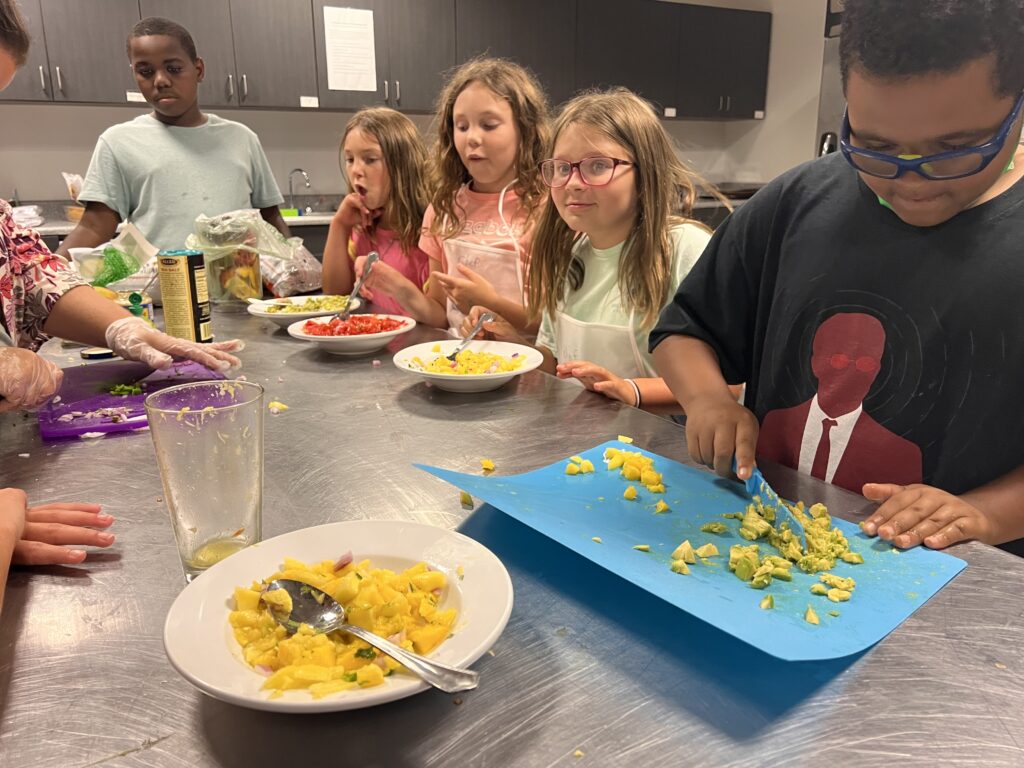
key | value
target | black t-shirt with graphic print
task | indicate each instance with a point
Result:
(927, 322)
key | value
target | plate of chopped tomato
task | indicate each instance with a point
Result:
(356, 335)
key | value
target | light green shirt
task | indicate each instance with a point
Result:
(598, 299)
(161, 177)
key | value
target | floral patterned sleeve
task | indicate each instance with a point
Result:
(32, 279)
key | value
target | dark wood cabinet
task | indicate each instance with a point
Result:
(273, 41)
(414, 46)
(722, 62)
(85, 44)
(539, 34)
(209, 23)
(32, 81)
(631, 43)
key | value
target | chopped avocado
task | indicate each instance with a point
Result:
(706, 550)
(767, 602)
(811, 617)
(680, 566)
(714, 528)
(819, 589)
(642, 547)
(685, 552)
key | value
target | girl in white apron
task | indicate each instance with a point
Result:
(612, 248)
(492, 131)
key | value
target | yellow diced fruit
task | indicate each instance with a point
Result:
(680, 566)
(246, 599)
(425, 639)
(576, 459)
(630, 493)
(624, 439)
(616, 461)
(487, 464)
(661, 507)
(586, 466)
(369, 675)
(465, 500)
(650, 477)
(631, 473)
(707, 550)
(429, 581)
(810, 616)
(642, 547)
(596, 539)
(685, 552)
(436, 348)
(658, 488)
(767, 602)
(852, 557)
(278, 598)
(572, 469)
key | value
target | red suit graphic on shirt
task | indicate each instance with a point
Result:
(846, 357)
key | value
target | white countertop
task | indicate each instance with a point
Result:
(62, 227)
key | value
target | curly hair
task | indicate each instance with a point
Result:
(894, 39)
(665, 192)
(405, 160)
(14, 37)
(524, 95)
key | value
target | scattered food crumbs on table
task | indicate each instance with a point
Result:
(1000, 665)
(578, 753)
(375, 363)
(625, 439)
(23, 455)
(642, 547)
(596, 539)
(276, 407)
(465, 500)
(487, 465)
(456, 701)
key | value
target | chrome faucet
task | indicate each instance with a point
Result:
(291, 192)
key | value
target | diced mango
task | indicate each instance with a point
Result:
(630, 493)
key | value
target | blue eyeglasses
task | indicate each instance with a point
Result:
(955, 164)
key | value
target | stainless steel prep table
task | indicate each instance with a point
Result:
(588, 662)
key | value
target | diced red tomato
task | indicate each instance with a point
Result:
(356, 325)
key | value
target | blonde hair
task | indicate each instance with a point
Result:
(520, 89)
(665, 193)
(405, 160)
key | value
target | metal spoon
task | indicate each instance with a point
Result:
(324, 614)
(486, 317)
(371, 258)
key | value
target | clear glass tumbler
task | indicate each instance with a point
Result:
(209, 447)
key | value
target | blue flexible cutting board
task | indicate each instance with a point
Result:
(891, 584)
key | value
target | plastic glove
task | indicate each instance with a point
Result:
(26, 379)
(135, 339)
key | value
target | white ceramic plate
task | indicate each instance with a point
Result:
(284, 319)
(467, 382)
(362, 344)
(199, 643)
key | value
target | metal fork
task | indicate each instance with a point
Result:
(486, 317)
(371, 258)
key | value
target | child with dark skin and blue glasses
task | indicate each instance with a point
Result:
(871, 299)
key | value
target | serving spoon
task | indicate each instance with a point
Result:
(324, 614)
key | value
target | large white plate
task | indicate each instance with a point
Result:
(360, 344)
(284, 319)
(481, 382)
(199, 643)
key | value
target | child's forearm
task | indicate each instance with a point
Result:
(420, 306)
(515, 313)
(1000, 501)
(690, 369)
(338, 275)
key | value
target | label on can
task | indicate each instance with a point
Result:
(185, 295)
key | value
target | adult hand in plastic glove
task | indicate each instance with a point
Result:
(26, 379)
(135, 339)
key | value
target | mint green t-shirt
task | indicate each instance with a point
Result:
(161, 177)
(598, 299)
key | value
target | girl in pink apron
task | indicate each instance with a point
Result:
(610, 251)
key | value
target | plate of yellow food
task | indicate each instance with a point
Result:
(286, 311)
(431, 590)
(482, 366)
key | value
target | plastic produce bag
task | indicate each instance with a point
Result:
(238, 243)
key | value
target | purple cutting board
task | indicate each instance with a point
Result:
(86, 388)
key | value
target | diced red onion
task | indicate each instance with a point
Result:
(342, 561)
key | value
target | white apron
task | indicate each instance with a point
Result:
(612, 347)
(492, 264)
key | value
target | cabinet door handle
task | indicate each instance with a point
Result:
(42, 78)
(728, 103)
(231, 86)
(245, 87)
(385, 90)
(721, 103)
(60, 82)
(398, 91)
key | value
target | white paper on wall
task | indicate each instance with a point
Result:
(349, 45)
